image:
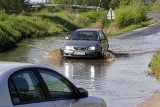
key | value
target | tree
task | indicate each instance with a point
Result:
(51, 1)
(14, 6)
(114, 4)
(98, 3)
(125, 2)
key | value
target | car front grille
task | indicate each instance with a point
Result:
(80, 48)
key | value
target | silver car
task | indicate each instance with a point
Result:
(28, 85)
(86, 43)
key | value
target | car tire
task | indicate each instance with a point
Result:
(107, 47)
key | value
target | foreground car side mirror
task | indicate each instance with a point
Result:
(67, 38)
(82, 93)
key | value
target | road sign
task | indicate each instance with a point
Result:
(111, 14)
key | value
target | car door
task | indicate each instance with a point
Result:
(104, 41)
(26, 90)
(62, 92)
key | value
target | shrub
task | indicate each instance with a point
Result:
(128, 15)
(100, 16)
(51, 9)
(6, 42)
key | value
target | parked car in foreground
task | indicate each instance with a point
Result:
(86, 43)
(28, 85)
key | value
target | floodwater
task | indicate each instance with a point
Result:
(121, 83)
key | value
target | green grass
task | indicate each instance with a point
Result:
(14, 28)
(155, 7)
(112, 30)
(155, 64)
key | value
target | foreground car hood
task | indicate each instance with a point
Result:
(81, 43)
(84, 102)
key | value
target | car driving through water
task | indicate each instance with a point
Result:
(86, 43)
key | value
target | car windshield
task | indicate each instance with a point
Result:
(85, 35)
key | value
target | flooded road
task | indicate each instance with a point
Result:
(122, 83)
(138, 42)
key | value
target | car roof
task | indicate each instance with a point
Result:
(89, 29)
(5, 66)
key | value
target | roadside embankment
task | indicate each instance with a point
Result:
(153, 101)
(155, 65)
(14, 27)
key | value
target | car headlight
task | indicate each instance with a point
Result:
(92, 48)
(68, 48)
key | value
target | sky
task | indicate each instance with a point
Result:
(36, 0)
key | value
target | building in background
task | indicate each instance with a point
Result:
(38, 1)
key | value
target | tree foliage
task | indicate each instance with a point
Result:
(100, 3)
(17, 6)
(114, 4)
(14, 6)
(127, 2)
(106, 4)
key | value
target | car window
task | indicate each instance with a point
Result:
(25, 88)
(85, 35)
(59, 87)
(102, 36)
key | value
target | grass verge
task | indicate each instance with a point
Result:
(111, 30)
(14, 28)
(154, 64)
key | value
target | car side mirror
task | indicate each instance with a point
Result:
(82, 93)
(103, 38)
(67, 38)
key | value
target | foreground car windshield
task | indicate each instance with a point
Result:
(85, 35)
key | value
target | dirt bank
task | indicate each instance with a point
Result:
(152, 101)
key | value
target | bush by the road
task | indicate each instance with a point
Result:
(155, 64)
(100, 16)
(129, 15)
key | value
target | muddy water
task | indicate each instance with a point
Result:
(122, 83)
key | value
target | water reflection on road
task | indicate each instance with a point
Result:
(122, 83)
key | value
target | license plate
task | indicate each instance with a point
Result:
(79, 53)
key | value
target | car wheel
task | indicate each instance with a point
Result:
(107, 47)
